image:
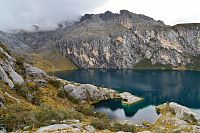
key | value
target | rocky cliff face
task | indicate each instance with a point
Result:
(121, 41)
(13, 44)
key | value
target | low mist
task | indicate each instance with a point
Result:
(45, 14)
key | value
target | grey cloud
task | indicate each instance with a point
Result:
(23, 14)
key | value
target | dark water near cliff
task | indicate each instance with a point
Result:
(156, 86)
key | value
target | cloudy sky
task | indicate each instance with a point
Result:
(22, 14)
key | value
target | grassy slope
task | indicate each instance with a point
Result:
(15, 113)
(52, 61)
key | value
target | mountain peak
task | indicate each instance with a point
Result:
(124, 17)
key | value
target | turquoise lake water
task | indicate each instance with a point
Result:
(155, 86)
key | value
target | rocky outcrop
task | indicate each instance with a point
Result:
(176, 118)
(5, 78)
(34, 71)
(13, 44)
(87, 92)
(128, 98)
(181, 112)
(112, 40)
(69, 127)
(8, 69)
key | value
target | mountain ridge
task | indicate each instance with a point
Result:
(112, 40)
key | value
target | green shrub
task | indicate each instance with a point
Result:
(35, 100)
(33, 86)
(22, 90)
(47, 114)
(18, 117)
(101, 124)
(64, 94)
(55, 83)
(100, 115)
(20, 65)
(85, 109)
(30, 95)
(194, 120)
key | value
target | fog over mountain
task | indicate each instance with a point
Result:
(46, 14)
(23, 14)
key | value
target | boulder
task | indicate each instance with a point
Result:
(181, 112)
(89, 92)
(34, 71)
(51, 128)
(90, 129)
(128, 98)
(3, 130)
(4, 77)
(16, 78)
(176, 118)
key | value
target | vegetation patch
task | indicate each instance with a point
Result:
(195, 63)
(64, 94)
(5, 48)
(28, 93)
(147, 64)
(55, 83)
(52, 61)
(44, 115)
(101, 124)
(20, 66)
(123, 127)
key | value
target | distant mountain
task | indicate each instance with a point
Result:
(124, 40)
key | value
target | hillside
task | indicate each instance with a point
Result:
(32, 101)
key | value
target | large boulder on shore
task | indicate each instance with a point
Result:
(176, 118)
(181, 112)
(89, 92)
(93, 93)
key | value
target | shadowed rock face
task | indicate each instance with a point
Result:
(13, 44)
(121, 40)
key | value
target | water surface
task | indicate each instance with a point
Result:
(156, 86)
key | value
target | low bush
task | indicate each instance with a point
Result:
(20, 65)
(100, 115)
(18, 117)
(64, 94)
(101, 124)
(55, 83)
(35, 100)
(33, 86)
(27, 93)
(85, 109)
(124, 127)
(22, 90)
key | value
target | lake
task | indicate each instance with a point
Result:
(155, 86)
